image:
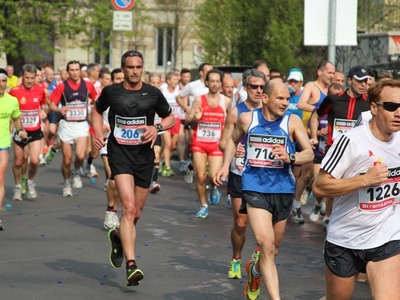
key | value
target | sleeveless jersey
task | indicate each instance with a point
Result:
(369, 217)
(262, 173)
(209, 128)
(237, 163)
(77, 101)
(171, 98)
(293, 105)
(307, 114)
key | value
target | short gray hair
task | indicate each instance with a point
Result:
(30, 68)
(252, 73)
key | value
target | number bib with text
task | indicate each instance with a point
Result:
(259, 150)
(77, 112)
(30, 118)
(208, 132)
(176, 110)
(126, 130)
(340, 126)
(380, 197)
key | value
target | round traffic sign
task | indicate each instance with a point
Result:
(122, 4)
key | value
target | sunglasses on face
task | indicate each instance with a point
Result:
(255, 86)
(389, 106)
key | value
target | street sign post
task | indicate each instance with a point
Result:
(122, 20)
(123, 4)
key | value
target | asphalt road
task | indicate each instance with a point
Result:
(56, 248)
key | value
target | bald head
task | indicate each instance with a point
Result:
(265, 70)
(274, 85)
(228, 85)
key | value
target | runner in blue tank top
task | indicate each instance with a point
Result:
(268, 182)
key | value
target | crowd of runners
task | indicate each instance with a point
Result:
(269, 138)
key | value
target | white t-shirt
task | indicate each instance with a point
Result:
(194, 89)
(171, 98)
(369, 217)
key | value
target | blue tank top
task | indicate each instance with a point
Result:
(237, 164)
(261, 172)
(322, 96)
(293, 105)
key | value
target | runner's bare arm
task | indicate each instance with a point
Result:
(183, 102)
(305, 97)
(301, 137)
(228, 127)
(195, 112)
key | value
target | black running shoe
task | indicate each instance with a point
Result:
(116, 253)
(133, 276)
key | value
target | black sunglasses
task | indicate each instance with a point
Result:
(255, 86)
(389, 106)
(130, 53)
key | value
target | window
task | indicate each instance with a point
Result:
(165, 46)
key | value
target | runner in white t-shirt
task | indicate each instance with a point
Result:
(362, 171)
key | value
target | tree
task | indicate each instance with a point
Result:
(27, 26)
(238, 32)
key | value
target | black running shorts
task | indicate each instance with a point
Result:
(36, 135)
(235, 185)
(141, 173)
(344, 262)
(279, 205)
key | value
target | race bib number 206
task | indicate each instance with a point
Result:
(126, 130)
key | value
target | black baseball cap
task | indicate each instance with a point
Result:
(358, 73)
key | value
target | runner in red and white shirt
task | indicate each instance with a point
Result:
(74, 95)
(207, 118)
(32, 103)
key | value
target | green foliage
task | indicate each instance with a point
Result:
(29, 26)
(237, 32)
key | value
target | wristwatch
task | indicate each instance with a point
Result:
(159, 127)
(292, 158)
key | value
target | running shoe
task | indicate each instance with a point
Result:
(256, 254)
(116, 220)
(106, 184)
(235, 269)
(298, 217)
(167, 172)
(189, 173)
(315, 213)
(252, 288)
(305, 196)
(323, 208)
(84, 170)
(116, 253)
(67, 191)
(76, 182)
(202, 213)
(17, 194)
(93, 172)
(1, 225)
(154, 187)
(325, 222)
(23, 185)
(228, 200)
(161, 168)
(42, 161)
(109, 220)
(49, 155)
(31, 192)
(133, 276)
(182, 166)
(215, 196)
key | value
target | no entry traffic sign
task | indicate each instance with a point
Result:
(122, 4)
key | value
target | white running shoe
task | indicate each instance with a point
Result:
(76, 182)
(42, 161)
(109, 220)
(17, 194)
(84, 170)
(116, 220)
(67, 191)
(93, 172)
(30, 191)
